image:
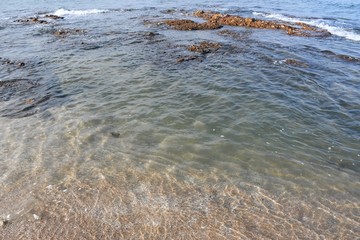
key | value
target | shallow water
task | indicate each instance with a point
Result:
(106, 135)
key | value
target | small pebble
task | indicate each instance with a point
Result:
(36, 217)
(3, 222)
(115, 134)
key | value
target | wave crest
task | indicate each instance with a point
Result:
(63, 12)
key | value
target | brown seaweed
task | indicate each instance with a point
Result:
(184, 24)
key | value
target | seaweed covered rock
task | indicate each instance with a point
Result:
(184, 24)
(298, 29)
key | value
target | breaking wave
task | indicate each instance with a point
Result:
(337, 31)
(63, 12)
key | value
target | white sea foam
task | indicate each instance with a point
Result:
(338, 31)
(63, 12)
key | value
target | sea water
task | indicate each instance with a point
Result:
(106, 135)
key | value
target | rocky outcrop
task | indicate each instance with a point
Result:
(297, 29)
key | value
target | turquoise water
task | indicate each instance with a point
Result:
(105, 135)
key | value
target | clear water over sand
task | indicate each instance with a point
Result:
(105, 135)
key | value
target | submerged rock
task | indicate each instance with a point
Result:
(67, 32)
(235, 35)
(205, 47)
(292, 62)
(341, 56)
(184, 24)
(16, 83)
(115, 134)
(189, 58)
(296, 63)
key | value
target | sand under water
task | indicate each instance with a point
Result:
(120, 122)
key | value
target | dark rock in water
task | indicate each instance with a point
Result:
(297, 29)
(115, 134)
(204, 47)
(168, 11)
(151, 34)
(191, 25)
(55, 17)
(189, 58)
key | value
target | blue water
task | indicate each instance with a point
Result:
(105, 135)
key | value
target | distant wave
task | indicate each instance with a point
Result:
(338, 31)
(63, 12)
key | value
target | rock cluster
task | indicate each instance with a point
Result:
(5, 61)
(32, 20)
(39, 20)
(66, 32)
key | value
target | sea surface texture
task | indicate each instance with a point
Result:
(114, 125)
